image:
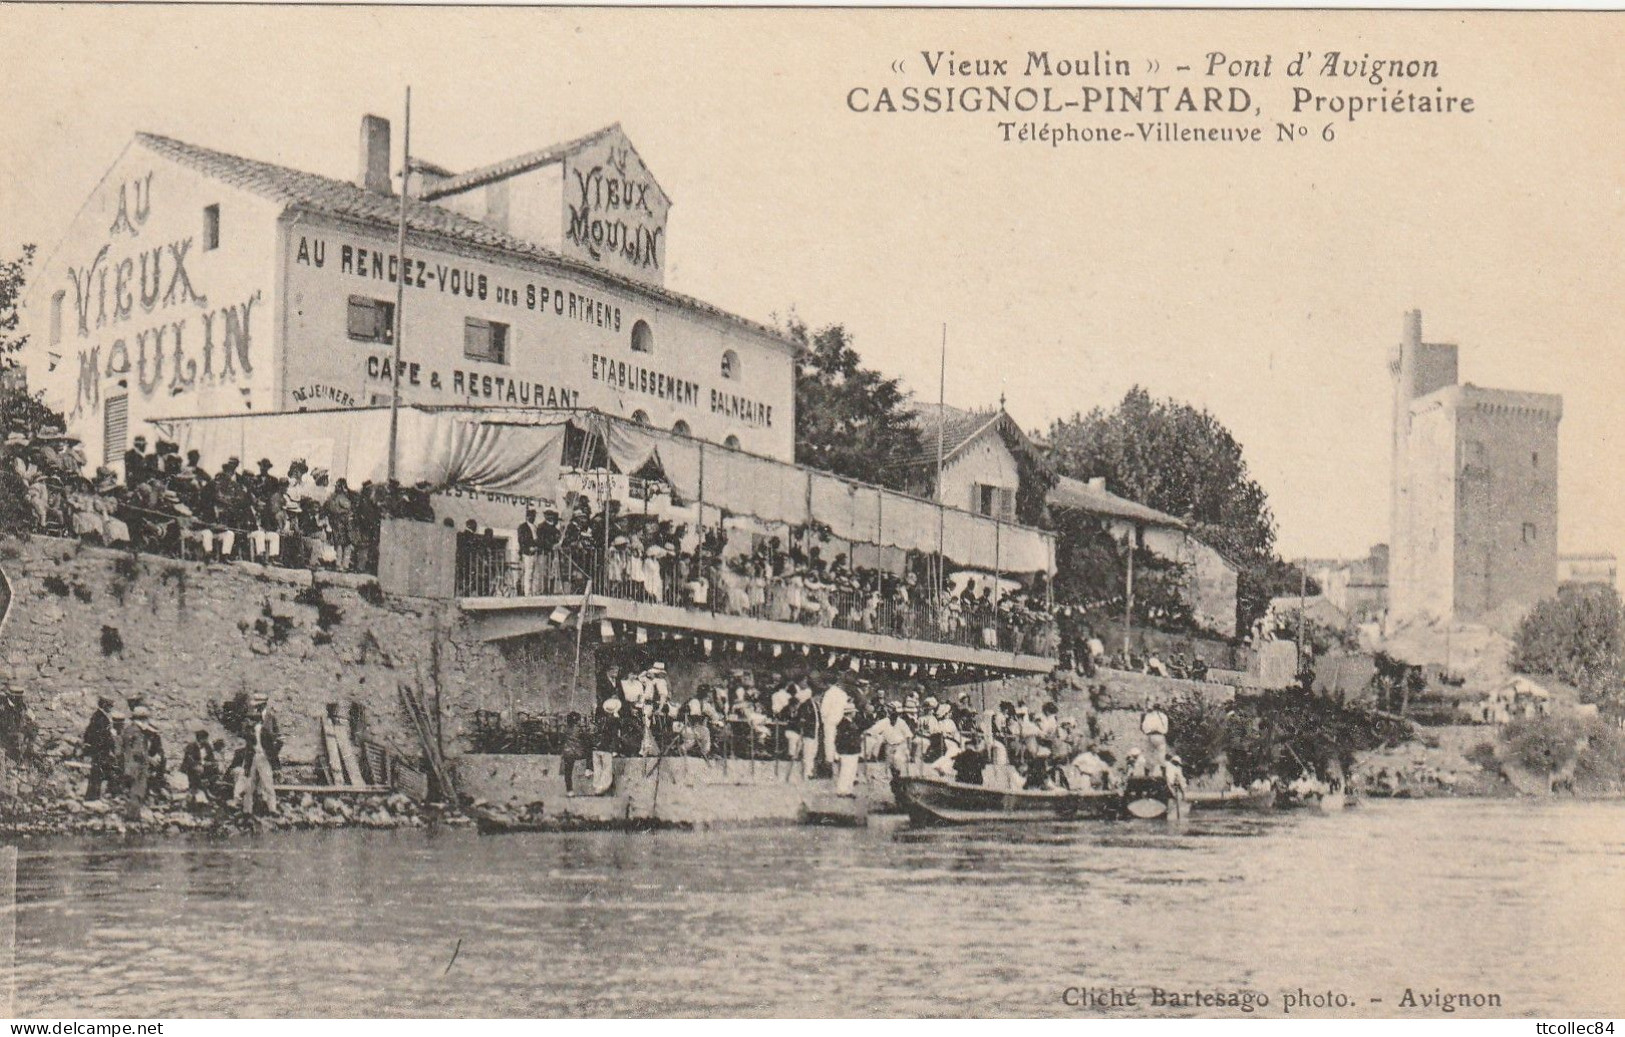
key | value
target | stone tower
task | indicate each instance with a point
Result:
(1474, 485)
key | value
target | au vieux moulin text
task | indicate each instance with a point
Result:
(1047, 96)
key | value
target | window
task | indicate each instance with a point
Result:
(211, 227)
(681, 428)
(730, 364)
(56, 317)
(643, 340)
(732, 442)
(371, 320)
(641, 417)
(115, 428)
(1530, 534)
(1534, 459)
(994, 501)
(485, 340)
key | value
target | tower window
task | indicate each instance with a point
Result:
(1530, 534)
(1534, 459)
(643, 340)
(730, 364)
(211, 227)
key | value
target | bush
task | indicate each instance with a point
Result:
(1602, 761)
(1544, 745)
(1579, 636)
(1483, 755)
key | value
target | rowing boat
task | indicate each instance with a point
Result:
(497, 821)
(937, 801)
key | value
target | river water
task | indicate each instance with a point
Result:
(1522, 901)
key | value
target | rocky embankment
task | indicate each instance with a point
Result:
(53, 803)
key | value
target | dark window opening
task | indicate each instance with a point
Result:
(643, 340)
(485, 340)
(211, 227)
(371, 320)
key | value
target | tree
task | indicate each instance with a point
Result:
(1180, 460)
(1286, 732)
(1579, 636)
(20, 410)
(1091, 571)
(13, 281)
(850, 420)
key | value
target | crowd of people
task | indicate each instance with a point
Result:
(826, 725)
(129, 762)
(646, 558)
(170, 504)
(1083, 651)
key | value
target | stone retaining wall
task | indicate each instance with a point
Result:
(87, 621)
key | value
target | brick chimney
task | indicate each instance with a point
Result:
(374, 169)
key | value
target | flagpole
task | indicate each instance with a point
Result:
(400, 290)
(942, 421)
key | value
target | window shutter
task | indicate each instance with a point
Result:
(476, 339)
(115, 428)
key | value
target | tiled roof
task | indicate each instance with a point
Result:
(514, 166)
(323, 195)
(1079, 495)
(958, 427)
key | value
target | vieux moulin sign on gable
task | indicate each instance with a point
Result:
(614, 212)
(136, 310)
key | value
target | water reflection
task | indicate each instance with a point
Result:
(1517, 899)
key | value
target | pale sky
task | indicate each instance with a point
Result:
(1266, 282)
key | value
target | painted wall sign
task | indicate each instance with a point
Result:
(141, 313)
(374, 264)
(314, 393)
(614, 212)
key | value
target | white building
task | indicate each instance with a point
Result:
(244, 308)
(194, 282)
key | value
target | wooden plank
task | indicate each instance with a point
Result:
(334, 763)
(420, 721)
(340, 790)
(410, 780)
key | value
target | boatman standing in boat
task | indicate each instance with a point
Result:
(805, 726)
(1154, 725)
(848, 749)
(831, 708)
(891, 737)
